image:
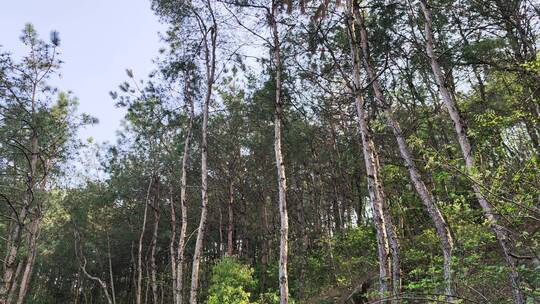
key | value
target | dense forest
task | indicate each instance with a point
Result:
(284, 152)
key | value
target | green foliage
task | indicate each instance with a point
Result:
(230, 282)
(533, 65)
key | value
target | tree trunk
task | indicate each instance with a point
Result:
(210, 59)
(17, 231)
(230, 217)
(204, 209)
(111, 277)
(14, 286)
(370, 164)
(138, 291)
(265, 247)
(460, 127)
(32, 244)
(172, 243)
(81, 256)
(441, 226)
(183, 206)
(393, 239)
(153, 245)
(282, 181)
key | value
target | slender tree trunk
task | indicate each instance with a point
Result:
(393, 239)
(147, 287)
(220, 246)
(338, 206)
(441, 226)
(183, 205)
(153, 245)
(172, 244)
(77, 287)
(14, 286)
(10, 259)
(300, 209)
(33, 236)
(111, 276)
(282, 181)
(138, 291)
(132, 274)
(503, 238)
(265, 247)
(81, 256)
(32, 245)
(370, 163)
(17, 231)
(204, 209)
(230, 217)
(210, 59)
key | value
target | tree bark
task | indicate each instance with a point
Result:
(14, 238)
(461, 130)
(230, 218)
(210, 59)
(265, 246)
(138, 291)
(111, 276)
(17, 231)
(183, 205)
(282, 181)
(153, 245)
(370, 162)
(14, 286)
(441, 226)
(172, 245)
(32, 245)
(393, 239)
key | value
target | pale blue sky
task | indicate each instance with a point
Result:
(99, 40)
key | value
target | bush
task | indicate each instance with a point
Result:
(231, 282)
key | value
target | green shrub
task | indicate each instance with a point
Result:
(231, 282)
